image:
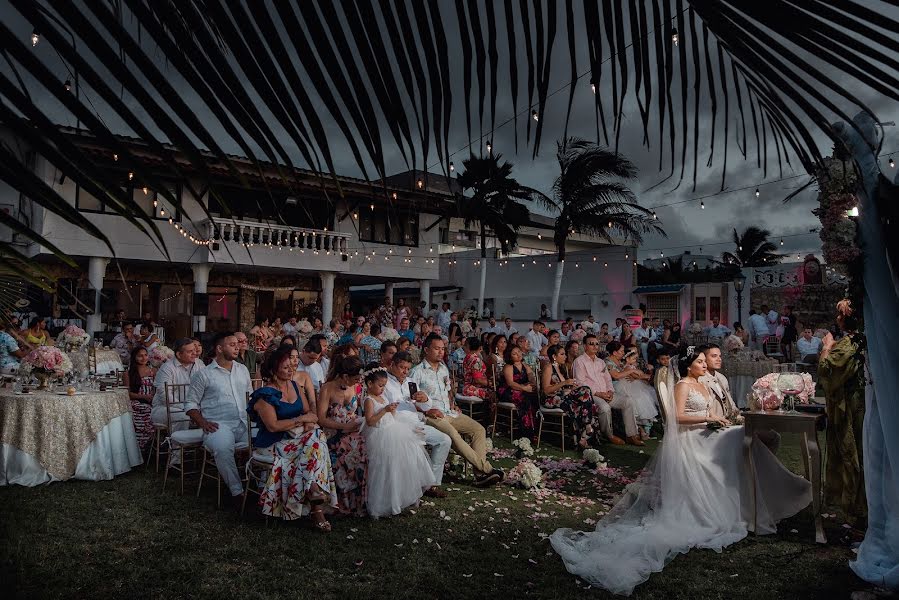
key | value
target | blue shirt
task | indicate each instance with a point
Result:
(8, 345)
(408, 334)
(283, 410)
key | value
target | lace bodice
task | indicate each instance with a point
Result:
(696, 404)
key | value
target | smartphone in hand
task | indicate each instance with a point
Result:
(413, 389)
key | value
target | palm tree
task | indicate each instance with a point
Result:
(752, 249)
(495, 204)
(587, 199)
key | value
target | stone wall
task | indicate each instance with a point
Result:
(813, 305)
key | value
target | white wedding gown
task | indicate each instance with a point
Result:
(642, 397)
(398, 467)
(694, 493)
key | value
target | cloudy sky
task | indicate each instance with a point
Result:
(689, 228)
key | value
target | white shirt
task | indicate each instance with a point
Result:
(808, 347)
(758, 325)
(718, 332)
(506, 331)
(315, 371)
(648, 333)
(173, 372)
(773, 321)
(497, 328)
(398, 393)
(220, 394)
(325, 363)
(536, 340)
(443, 319)
(615, 333)
(564, 337)
(289, 329)
(436, 385)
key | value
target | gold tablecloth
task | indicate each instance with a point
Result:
(57, 429)
(108, 361)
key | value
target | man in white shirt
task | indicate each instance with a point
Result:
(507, 329)
(717, 330)
(564, 332)
(178, 370)
(398, 392)
(535, 337)
(758, 329)
(593, 325)
(772, 318)
(492, 327)
(217, 403)
(290, 328)
(644, 335)
(444, 317)
(433, 379)
(309, 356)
(616, 332)
(809, 347)
(323, 359)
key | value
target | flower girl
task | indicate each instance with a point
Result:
(398, 468)
(641, 394)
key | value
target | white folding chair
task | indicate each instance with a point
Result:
(189, 440)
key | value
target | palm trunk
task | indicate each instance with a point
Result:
(483, 271)
(557, 288)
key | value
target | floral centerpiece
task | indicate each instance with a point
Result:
(766, 394)
(525, 474)
(593, 457)
(45, 362)
(159, 355)
(732, 343)
(523, 447)
(73, 338)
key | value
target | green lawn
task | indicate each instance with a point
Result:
(123, 539)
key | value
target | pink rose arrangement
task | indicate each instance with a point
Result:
(159, 355)
(73, 338)
(767, 396)
(46, 360)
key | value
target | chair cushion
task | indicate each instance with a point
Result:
(264, 458)
(506, 405)
(468, 399)
(187, 436)
(551, 411)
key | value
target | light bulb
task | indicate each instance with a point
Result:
(130, 175)
(535, 116)
(115, 157)
(452, 167)
(781, 242)
(35, 38)
(68, 85)
(757, 193)
(702, 205)
(539, 236)
(653, 215)
(675, 36)
(593, 87)
(489, 147)
(892, 163)
(420, 184)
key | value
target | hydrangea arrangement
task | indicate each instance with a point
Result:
(73, 338)
(593, 457)
(523, 447)
(46, 360)
(525, 474)
(767, 396)
(159, 355)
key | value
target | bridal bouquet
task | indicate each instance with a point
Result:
(523, 447)
(767, 395)
(45, 360)
(73, 338)
(159, 355)
(525, 474)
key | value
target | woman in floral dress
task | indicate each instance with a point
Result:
(560, 390)
(339, 414)
(402, 312)
(301, 481)
(139, 383)
(388, 315)
(515, 386)
(475, 382)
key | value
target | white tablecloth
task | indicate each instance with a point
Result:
(113, 452)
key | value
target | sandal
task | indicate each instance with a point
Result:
(319, 521)
(316, 498)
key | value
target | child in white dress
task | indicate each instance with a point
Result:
(398, 467)
(641, 393)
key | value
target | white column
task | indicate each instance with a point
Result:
(327, 297)
(201, 285)
(424, 285)
(388, 291)
(96, 271)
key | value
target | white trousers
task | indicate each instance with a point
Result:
(221, 444)
(440, 445)
(627, 413)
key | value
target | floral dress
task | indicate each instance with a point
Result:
(299, 462)
(8, 362)
(140, 412)
(525, 402)
(349, 459)
(578, 404)
(387, 315)
(473, 368)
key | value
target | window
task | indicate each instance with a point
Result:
(663, 306)
(699, 312)
(715, 307)
(383, 228)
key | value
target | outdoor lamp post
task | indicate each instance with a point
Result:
(739, 282)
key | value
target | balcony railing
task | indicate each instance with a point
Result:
(249, 234)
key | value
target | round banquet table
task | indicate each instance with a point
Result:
(741, 374)
(108, 361)
(45, 437)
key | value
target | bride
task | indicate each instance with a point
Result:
(694, 493)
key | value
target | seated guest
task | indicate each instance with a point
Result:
(333, 332)
(553, 338)
(604, 336)
(572, 351)
(716, 329)
(507, 329)
(591, 371)
(398, 391)
(123, 343)
(616, 331)
(36, 335)
(627, 338)
(309, 363)
(370, 344)
(564, 332)
(398, 471)
(645, 336)
(809, 347)
(288, 340)
(10, 353)
(516, 386)
(405, 331)
(632, 384)
(741, 333)
(246, 355)
(262, 334)
(561, 390)
(290, 327)
(403, 344)
(536, 339)
(202, 359)
(324, 358)
(301, 480)
(513, 339)
(177, 371)
(433, 379)
(147, 339)
(671, 337)
(664, 379)
(388, 351)
(423, 332)
(454, 361)
(338, 355)
(496, 358)
(476, 384)
(138, 380)
(216, 401)
(338, 410)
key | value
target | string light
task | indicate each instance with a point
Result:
(653, 215)
(35, 38)
(155, 202)
(420, 184)
(146, 191)
(593, 87)
(781, 242)
(130, 175)
(702, 205)
(452, 167)
(675, 36)
(757, 192)
(489, 147)
(535, 116)
(355, 215)
(115, 157)
(68, 85)
(892, 163)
